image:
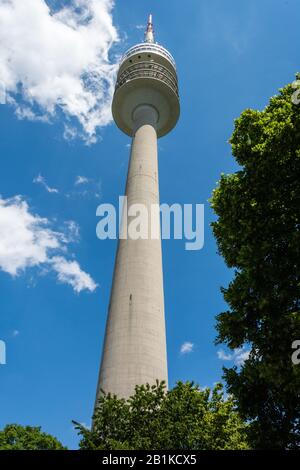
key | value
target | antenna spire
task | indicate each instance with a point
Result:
(149, 34)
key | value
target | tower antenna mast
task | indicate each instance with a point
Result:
(149, 33)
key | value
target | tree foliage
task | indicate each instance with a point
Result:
(16, 437)
(152, 419)
(258, 234)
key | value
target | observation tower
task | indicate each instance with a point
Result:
(145, 107)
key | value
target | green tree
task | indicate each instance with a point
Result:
(184, 418)
(258, 234)
(15, 437)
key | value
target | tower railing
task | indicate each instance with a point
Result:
(147, 47)
(148, 70)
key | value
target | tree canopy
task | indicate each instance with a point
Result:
(16, 437)
(258, 234)
(185, 417)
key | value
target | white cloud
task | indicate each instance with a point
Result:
(27, 241)
(73, 231)
(69, 272)
(42, 181)
(27, 113)
(81, 180)
(70, 133)
(238, 356)
(86, 188)
(241, 356)
(59, 60)
(223, 356)
(187, 348)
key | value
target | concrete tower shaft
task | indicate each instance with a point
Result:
(145, 105)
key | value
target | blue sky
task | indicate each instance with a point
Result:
(230, 56)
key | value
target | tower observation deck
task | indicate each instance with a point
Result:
(145, 106)
(147, 74)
